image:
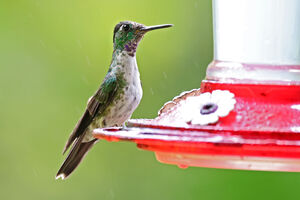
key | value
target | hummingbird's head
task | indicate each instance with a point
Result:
(127, 35)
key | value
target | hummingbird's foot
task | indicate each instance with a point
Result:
(124, 125)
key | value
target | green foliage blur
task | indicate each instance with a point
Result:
(54, 55)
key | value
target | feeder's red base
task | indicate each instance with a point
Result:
(261, 133)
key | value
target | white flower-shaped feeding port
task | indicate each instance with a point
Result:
(207, 108)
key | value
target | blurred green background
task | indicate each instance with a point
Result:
(54, 55)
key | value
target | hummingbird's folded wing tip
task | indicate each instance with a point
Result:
(64, 151)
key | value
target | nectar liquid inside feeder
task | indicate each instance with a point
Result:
(246, 114)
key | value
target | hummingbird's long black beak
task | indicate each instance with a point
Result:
(150, 28)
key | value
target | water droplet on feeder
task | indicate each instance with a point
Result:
(183, 166)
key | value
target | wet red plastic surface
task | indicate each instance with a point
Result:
(274, 108)
(261, 133)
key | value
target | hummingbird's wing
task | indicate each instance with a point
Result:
(96, 105)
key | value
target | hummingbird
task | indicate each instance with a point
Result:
(118, 96)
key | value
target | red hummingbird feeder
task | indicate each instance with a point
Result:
(246, 114)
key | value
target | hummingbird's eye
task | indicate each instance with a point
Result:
(126, 27)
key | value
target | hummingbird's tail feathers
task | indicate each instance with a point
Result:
(77, 153)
